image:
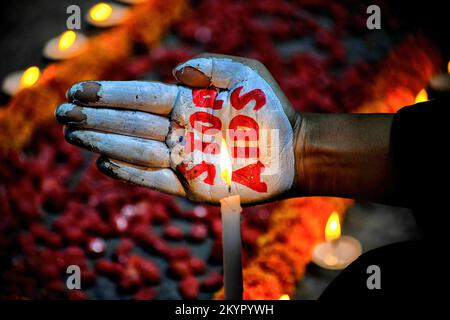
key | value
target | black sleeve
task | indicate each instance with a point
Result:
(410, 270)
(420, 147)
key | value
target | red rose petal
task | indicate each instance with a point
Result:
(212, 282)
(145, 294)
(173, 232)
(189, 288)
(197, 265)
(180, 269)
(198, 232)
(77, 295)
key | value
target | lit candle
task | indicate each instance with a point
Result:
(106, 14)
(20, 79)
(230, 208)
(336, 252)
(440, 84)
(69, 44)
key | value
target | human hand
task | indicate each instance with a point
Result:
(168, 136)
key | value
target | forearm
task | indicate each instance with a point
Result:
(344, 155)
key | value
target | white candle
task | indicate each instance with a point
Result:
(231, 241)
(441, 82)
(106, 14)
(439, 85)
(230, 208)
(67, 45)
(20, 79)
(336, 252)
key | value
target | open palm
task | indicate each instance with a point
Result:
(170, 137)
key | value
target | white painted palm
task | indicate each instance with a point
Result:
(169, 136)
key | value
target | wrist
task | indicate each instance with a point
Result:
(343, 155)
(299, 128)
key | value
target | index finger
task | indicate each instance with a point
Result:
(153, 97)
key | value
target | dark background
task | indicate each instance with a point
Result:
(26, 26)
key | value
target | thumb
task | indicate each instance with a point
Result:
(191, 77)
(220, 71)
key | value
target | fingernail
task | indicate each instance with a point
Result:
(105, 167)
(76, 114)
(72, 136)
(84, 92)
(69, 113)
(192, 77)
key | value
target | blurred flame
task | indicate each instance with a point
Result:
(422, 96)
(67, 39)
(225, 163)
(333, 227)
(284, 297)
(100, 12)
(29, 77)
(448, 67)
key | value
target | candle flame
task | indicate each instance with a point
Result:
(422, 96)
(100, 12)
(225, 163)
(333, 227)
(67, 39)
(448, 67)
(284, 297)
(29, 77)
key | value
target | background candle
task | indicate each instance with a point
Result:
(20, 79)
(105, 14)
(336, 252)
(67, 45)
(440, 84)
